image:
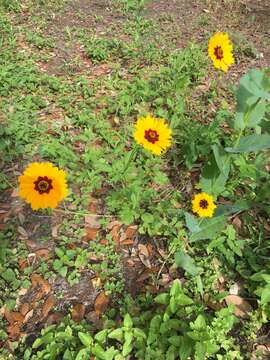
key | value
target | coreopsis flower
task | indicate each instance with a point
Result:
(220, 51)
(43, 185)
(153, 134)
(203, 205)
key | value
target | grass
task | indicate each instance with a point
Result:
(71, 96)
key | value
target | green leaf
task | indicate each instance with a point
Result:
(127, 348)
(175, 340)
(101, 336)
(256, 115)
(186, 262)
(176, 288)
(192, 222)
(63, 271)
(251, 143)
(185, 348)
(265, 296)
(183, 300)
(116, 334)
(209, 228)
(86, 339)
(221, 157)
(162, 299)
(37, 343)
(128, 321)
(83, 354)
(8, 275)
(138, 333)
(199, 323)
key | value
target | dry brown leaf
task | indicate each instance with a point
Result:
(115, 232)
(8, 315)
(92, 221)
(48, 305)
(103, 242)
(37, 280)
(14, 331)
(28, 316)
(237, 223)
(22, 231)
(144, 255)
(43, 253)
(23, 263)
(114, 223)
(242, 307)
(131, 231)
(91, 234)
(78, 312)
(101, 303)
(93, 205)
(127, 242)
(24, 308)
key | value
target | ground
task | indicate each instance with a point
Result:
(73, 84)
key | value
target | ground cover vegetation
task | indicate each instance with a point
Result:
(134, 177)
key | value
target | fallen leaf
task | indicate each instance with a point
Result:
(101, 303)
(131, 231)
(242, 307)
(23, 263)
(115, 232)
(28, 316)
(103, 242)
(78, 312)
(22, 231)
(24, 308)
(92, 221)
(91, 234)
(37, 280)
(127, 242)
(48, 305)
(43, 253)
(144, 255)
(14, 331)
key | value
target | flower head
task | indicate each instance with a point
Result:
(220, 51)
(153, 134)
(203, 204)
(43, 185)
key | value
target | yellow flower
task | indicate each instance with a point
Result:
(43, 185)
(203, 204)
(153, 134)
(220, 51)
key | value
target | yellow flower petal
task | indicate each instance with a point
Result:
(203, 205)
(220, 51)
(153, 134)
(43, 185)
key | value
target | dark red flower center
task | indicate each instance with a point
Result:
(218, 53)
(43, 185)
(204, 204)
(151, 136)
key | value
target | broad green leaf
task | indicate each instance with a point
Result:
(265, 296)
(221, 157)
(101, 336)
(186, 347)
(231, 209)
(251, 143)
(176, 288)
(138, 333)
(8, 275)
(209, 228)
(186, 262)
(192, 222)
(116, 334)
(183, 300)
(256, 115)
(83, 354)
(162, 299)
